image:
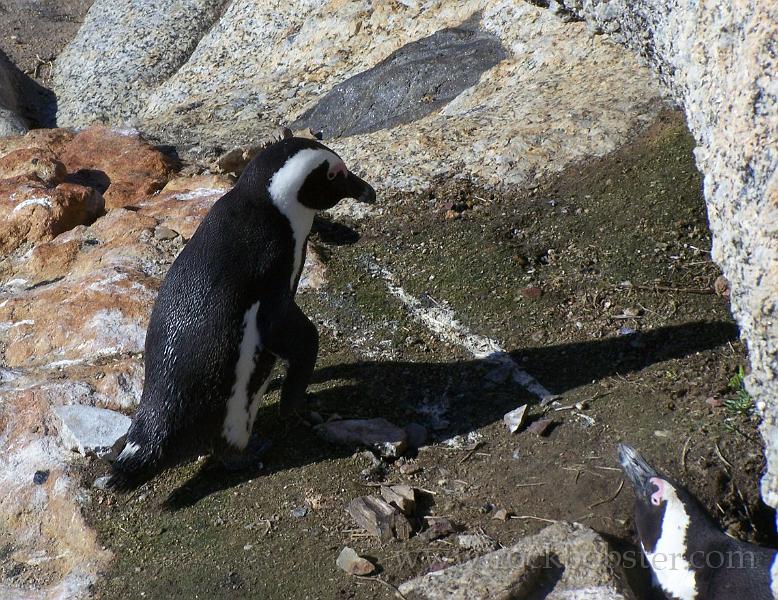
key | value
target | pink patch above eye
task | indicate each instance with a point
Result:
(337, 169)
(658, 495)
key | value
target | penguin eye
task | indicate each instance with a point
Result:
(331, 175)
(655, 500)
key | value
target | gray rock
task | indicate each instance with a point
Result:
(416, 80)
(379, 434)
(515, 419)
(123, 51)
(731, 102)
(572, 558)
(92, 431)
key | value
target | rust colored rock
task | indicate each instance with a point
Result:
(101, 314)
(721, 286)
(33, 163)
(198, 182)
(53, 140)
(125, 166)
(35, 213)
(532, 292)
(180, 211)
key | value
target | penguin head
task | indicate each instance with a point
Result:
(305, 173)
(656, 496)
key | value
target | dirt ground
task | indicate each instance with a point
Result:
(543, 273)
(34, 32)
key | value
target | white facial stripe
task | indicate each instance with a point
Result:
(237, 424)
(672, 570)
(285, 185)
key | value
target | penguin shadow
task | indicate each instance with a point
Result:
(331, 232)
(449, 398)
(37, 104)
(93, 178)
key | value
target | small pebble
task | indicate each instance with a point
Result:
(40, 477)
(299, 512)
(353, 564)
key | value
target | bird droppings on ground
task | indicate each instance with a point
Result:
(609, 223)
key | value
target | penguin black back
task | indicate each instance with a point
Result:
(226, 311)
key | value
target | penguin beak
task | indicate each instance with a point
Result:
(359, 189)
(638, 471)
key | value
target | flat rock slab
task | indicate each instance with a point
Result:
(413, 81)
(381, 435)
(92, 431)
(565, 560)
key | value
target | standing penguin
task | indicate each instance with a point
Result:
(690, 557)
(226, 311)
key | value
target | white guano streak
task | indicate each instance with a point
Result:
(283, 189)
(238, 422)
(442, 322)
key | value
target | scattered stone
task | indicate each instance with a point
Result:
(379, 434)
(379, 518)
(314, 274)
(437, 527)
(632, 312)
(417, 435)
(714, 402)
(515, 419)
(299, 512)
(235, 160)
(402, 497)
(163, 233)
(477, 542)
(40, 477)
(410, 468)
(92, 431)
(579, 560)
(532, 292)
(721, 286)
(540, 427)
(546, 400)
(662, 433)
(101, 483)
(626, 330)
(501, 515)
(353, 564)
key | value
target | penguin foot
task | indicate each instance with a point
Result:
(249, 458)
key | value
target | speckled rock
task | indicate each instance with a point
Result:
(124, 49)
(720, 62)
(543, 93)
(578, 560)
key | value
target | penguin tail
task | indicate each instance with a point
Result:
(137, 462)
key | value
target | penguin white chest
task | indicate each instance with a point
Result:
(668, 560)
(242, 410)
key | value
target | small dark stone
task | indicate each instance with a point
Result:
(40, 477)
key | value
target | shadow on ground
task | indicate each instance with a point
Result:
(392, 390)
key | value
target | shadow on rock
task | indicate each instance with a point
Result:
(35, 103)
